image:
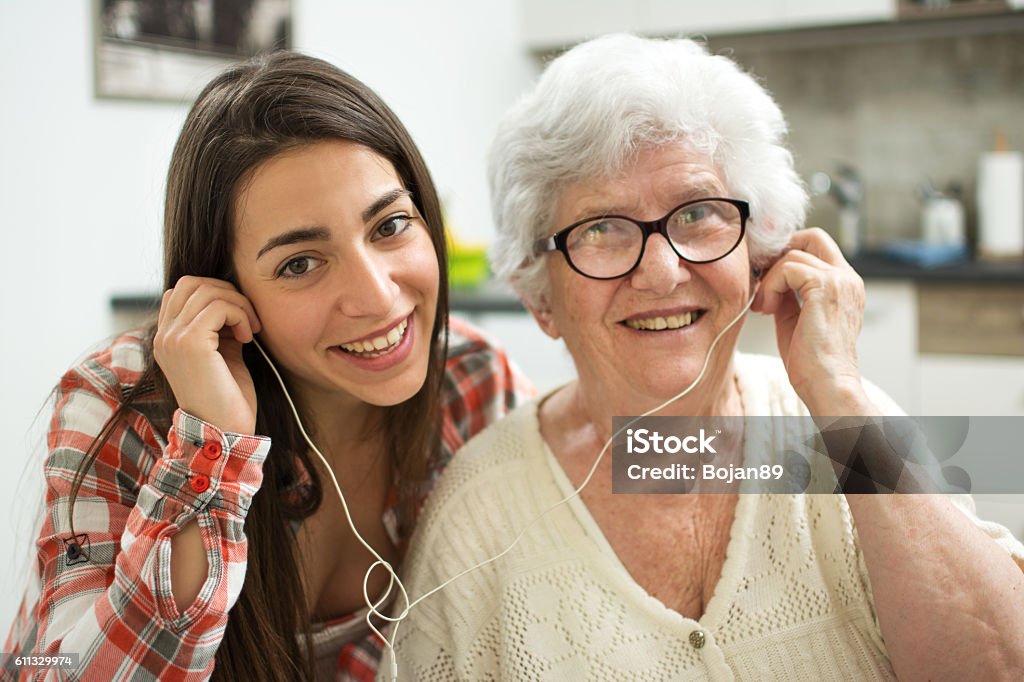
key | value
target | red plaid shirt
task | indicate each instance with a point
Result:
(116, 610)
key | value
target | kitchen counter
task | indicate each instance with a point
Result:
(485, 299)
(878, 266)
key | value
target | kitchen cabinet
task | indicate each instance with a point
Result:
(968, 385)
(550, 24)
(981, 319)
(971, 343)
(888, 344)
(945, 347)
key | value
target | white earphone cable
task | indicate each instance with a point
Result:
(393, 576)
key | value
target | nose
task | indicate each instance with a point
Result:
(366, 287)
(660, 270)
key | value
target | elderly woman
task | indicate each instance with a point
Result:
(643, 197)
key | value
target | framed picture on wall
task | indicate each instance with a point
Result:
(169, 49)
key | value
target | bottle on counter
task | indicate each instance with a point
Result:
(1001, 203)
(942, 216)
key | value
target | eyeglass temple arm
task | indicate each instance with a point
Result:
(544, 245)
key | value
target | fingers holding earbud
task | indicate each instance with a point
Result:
(817, 301)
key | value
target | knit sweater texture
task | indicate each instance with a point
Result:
(793, 601)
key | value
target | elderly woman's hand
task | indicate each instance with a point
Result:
(818, 303)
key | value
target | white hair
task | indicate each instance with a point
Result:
(598, 104)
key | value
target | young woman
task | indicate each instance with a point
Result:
(188, 532)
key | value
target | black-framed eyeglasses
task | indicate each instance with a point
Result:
(611, 246)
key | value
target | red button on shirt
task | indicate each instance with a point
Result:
(212, 449)
(200, 483)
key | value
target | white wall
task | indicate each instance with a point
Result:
(80, 185)
(81, 180)
(449, 69)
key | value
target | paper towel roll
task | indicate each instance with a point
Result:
(1001, 205)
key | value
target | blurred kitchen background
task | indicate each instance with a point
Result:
(906, 118)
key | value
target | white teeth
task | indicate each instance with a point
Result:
(659, 323)
(379, 343)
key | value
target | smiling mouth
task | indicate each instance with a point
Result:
(378, 345)
(664, 323)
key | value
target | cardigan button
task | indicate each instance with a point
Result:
(200, 483)
(697, 639)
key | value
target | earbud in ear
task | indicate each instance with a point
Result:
(757, 273)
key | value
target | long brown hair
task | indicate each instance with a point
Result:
(245, 116)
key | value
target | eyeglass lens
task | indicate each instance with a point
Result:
(610, 247)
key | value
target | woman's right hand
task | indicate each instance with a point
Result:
(202, 326)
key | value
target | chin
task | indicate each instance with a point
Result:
(671, 383)
(389, 394)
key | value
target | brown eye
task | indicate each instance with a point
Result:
(299, 266)
(393, 226)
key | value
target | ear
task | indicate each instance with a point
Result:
(541, 312)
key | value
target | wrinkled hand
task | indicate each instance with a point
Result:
(817, 333)
(202, 326)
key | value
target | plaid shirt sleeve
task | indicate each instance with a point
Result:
(105, 593)
(481, 386)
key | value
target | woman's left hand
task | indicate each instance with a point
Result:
(817, 332)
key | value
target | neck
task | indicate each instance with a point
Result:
(344, 429)
(715, 395)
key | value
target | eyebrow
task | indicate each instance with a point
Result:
(321, 234)
(383, 201)
(690, 194)
(304, 234)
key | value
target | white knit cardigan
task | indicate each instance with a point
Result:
(793, 601)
